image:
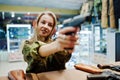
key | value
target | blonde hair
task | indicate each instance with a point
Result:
(34, 38)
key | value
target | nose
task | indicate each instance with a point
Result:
(46, 25)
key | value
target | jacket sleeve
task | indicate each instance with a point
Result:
(62, 56)
(30, 51)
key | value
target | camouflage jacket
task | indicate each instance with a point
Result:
(38, 64)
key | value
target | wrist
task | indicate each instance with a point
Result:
(56, 46)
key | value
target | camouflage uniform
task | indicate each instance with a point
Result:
(37, 63)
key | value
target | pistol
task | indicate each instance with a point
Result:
(106, 75)
(76, 21)
(112, 67)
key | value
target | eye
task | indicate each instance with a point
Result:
(50, 24)
(43, 22)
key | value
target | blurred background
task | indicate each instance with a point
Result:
(99, 43)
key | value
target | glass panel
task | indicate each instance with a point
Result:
(16, 33)
(99, 38)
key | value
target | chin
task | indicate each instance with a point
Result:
(43, 35)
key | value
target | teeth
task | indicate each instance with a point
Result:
(44, 30)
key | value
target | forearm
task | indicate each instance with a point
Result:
(60, 44)
(48, 49)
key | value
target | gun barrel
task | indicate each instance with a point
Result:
(76, 21)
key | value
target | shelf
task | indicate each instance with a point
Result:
(16, 33)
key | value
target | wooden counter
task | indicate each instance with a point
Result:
(64, 75)
(70, 74)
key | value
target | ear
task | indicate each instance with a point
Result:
(34, 23)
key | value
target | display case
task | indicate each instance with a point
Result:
(99, 38)
(99, 44)
(16, 33)
(86, 44)
(113, 46)
(92, 45)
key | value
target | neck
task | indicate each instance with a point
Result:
(41, 38)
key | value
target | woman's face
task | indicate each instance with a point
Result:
(45, 25)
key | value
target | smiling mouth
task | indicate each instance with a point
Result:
(44, 31)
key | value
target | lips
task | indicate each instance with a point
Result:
(44, 31)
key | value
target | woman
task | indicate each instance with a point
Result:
(41, 52)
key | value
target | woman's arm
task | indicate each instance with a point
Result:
(60, 43)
